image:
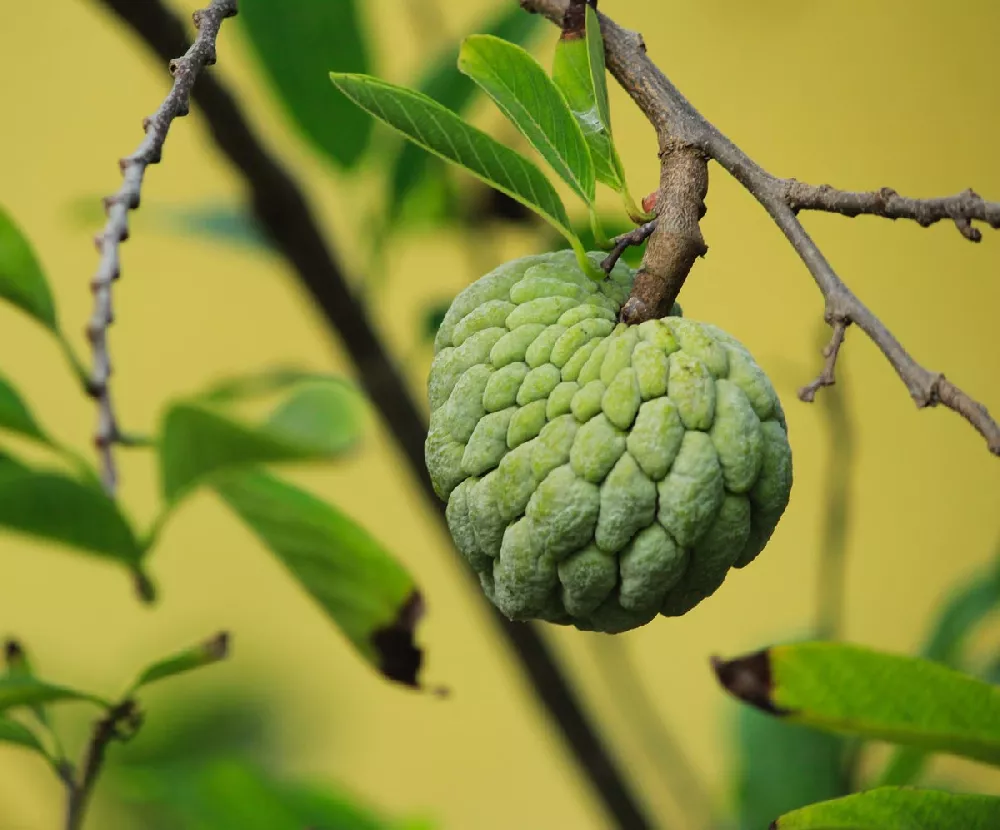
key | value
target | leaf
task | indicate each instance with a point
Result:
(895, 808)
(60, 509)
(233, 224)
(534, 104)
(29, 691)
(203, 654)
(22, 282)
(450, 88)
(19, 667)
(440, 131)
(12, 732)
(317, 422)
(856, 691)
(297, 42)
(359, 586)
(784, 766)
(571, 71)
(261, 383)
(15, 415)
(959, 618)
(598, 72)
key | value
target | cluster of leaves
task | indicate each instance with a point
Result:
(814, 708)
(206, 440)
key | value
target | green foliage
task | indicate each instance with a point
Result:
(22, 282)
(961, 615)
(852, 690)
(203, 654)
(895, 808)
(363, 589)
(783, 766)
(442, 81)
(533, 103)
(440, 131)
(297, 42)
(317, 421)
(13, 732)
(57, 508)
(30, 692)
(15, 415)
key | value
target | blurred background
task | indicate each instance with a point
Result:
(861, 95)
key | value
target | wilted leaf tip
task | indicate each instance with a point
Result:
(399, 658)
(574, 25)
(749, 679)
(218, 647)
(12, 652)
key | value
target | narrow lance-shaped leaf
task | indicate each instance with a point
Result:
(897, 808)
(440, 131)
(297, 41)
(19, 667)
(533, 103)
(30, 691)
(12, 732)
(958, 621)
(363, 589)
(857, 691)
(571, 72)
(317, 422)
(60, 509)
(598, 71)
(445, 84)
(15, 415)
(203, 654)
(22, 282)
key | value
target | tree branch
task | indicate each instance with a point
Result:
(107, 729)
(185, 70)
(679, 124)
(281, 208)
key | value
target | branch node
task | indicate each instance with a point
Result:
(830, 352)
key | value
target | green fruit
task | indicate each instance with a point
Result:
(598, 474)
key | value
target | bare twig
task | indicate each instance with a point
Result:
(679, 125)
(281, 208)
(831, 352)
(185, 71)
(626, 241)
(121, 716)
(962, 208)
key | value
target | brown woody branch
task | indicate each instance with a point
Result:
(185, 71)
(681, 128)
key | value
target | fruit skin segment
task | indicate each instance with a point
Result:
(598, 474)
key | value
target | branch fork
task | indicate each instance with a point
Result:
(688, 141)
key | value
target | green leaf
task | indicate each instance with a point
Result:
(19, 667)
(571, 71)
(450, 88)
(359, 586)
(297, 42)
(262, 383)
(967, 608)
(22, 282)
(60, 509)
(784, 766)
(533, 103)
(856, 691)
(894, 808)
(29, 691)
(203, 654)
(15, 415)
(12, 732)
(598, 72)
(317, 422)
(440, 131)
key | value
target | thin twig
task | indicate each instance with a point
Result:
(109, 728)
(624, 242)
(962, 208)
(831, 352)
(185, 71)
(678, 125)
(282, 210)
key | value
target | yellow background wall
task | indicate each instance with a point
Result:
(859, 94)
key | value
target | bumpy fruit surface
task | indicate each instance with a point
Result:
(598, 474)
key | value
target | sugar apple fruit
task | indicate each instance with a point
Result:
(598, 474)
